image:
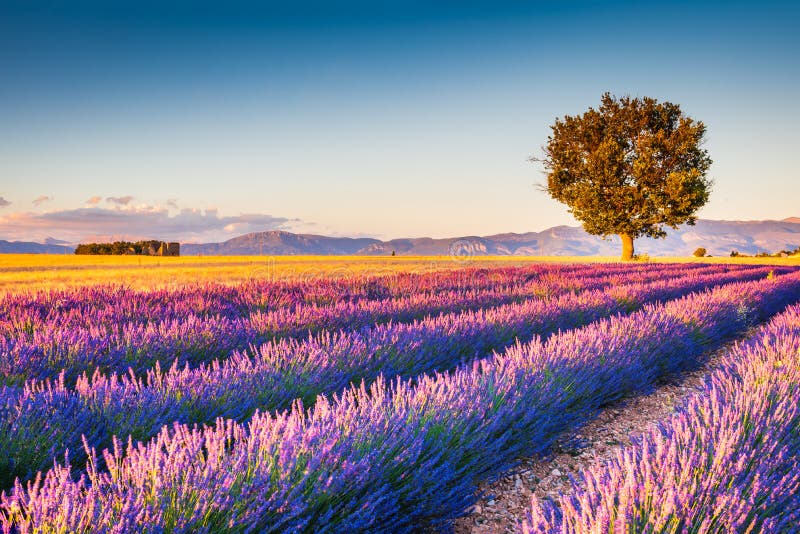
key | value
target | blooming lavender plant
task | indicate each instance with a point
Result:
(72, 337)
(39, 423)
(397, 456)
(727, 461)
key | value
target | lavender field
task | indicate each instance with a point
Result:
(380, 403)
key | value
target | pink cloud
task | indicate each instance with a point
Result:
(94, 200)
(41, 200)
(120, 201)
(4, 202)
(140, 222)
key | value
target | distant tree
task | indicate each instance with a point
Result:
(628, 168)
(394, 253)
(700, 252)
(734, 254)
(118, 247)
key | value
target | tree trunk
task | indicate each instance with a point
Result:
(627, 247)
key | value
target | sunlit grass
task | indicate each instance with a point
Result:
(20, 272)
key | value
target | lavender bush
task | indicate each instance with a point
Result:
(728, 461)
(43, 419)
(75, 332)
(397, 456)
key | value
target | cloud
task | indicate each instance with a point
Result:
(120, 201)
(172, 203)
(41, 200)
(93, 201)
(135, 222)
(4, 202)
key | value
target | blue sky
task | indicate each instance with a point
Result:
(200, 121)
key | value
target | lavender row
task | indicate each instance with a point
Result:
(34, 349)
(728, 461)
(24, 314)
(120, 304)
(45, 419)
(115, 347)
(399, 456)
(21, 314)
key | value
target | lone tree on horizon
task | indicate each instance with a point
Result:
(628, 168)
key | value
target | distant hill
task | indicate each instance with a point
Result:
(27, 247)
(719, 238)
(279, 243)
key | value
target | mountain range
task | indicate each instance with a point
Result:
(719, 238)
(30, 247)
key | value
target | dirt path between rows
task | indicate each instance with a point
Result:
(505, 503)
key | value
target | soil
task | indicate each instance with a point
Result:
(506, 502)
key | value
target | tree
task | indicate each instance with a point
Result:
(628, 168)
(700, 252)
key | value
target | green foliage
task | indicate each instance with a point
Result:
(117, 248)
(700, 252)
(629, 167)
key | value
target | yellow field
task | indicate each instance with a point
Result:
(20, 272)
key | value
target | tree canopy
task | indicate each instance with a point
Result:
(117, 248)
(629, 168)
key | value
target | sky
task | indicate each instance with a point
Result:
(200, 121)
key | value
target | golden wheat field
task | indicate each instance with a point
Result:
(27, 272)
